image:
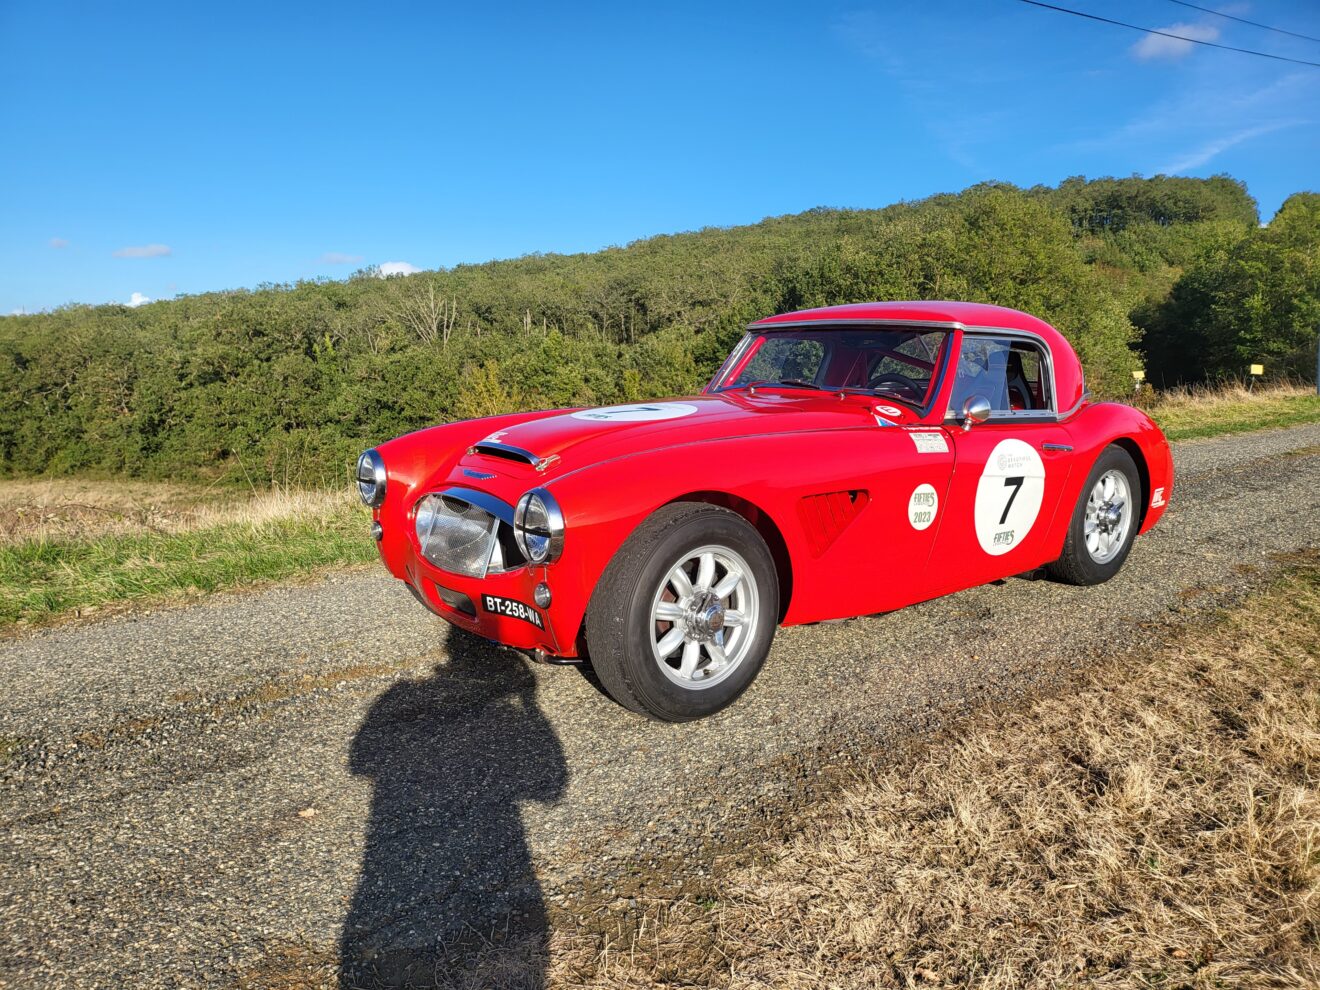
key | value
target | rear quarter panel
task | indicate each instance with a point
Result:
(1095, 427)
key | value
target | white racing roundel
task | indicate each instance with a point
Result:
(922, 506)
(1008, 496)
(639, 413)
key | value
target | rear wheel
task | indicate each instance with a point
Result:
(684, 616)
(1104, 523)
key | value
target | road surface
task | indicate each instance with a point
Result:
(325, 770)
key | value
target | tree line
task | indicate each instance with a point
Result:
(289, 382)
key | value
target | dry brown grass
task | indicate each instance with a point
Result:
(75, 508)
(1228, 393)
(1160, 827)
(1204, 411)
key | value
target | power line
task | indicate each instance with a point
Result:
(1166, 34)
(1243, 20)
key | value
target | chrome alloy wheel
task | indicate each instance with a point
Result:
(703, 617)
(1108, 516)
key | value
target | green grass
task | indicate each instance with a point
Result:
(61, 554)
(1193, 416)
(42, 579)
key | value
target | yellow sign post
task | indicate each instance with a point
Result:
(1256, 371)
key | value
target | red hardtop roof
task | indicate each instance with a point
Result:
(1067, 369)
(966, 313)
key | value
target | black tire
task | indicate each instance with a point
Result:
(1076, 565)
(619, 630)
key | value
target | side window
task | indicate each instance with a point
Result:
(1008, 373)
(784, 358)
(1028, 386)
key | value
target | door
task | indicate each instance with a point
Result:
(1008, 472)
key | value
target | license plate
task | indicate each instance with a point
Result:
(513, 609)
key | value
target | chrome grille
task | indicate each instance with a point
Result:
(455, 535)
(462, 537)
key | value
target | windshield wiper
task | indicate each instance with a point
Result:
(889, 397)
(786, 382)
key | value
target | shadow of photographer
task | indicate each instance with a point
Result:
(451, 758)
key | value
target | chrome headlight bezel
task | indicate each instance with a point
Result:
(371, 478)
(538, 515)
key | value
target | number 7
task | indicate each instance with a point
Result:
(1016, 484)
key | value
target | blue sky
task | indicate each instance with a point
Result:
(157, 149)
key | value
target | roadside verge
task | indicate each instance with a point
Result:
(1158, 825)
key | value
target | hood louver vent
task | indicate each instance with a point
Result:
(506, 451)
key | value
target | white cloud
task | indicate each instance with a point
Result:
(145, 251)
(1154, 46)
(1205, 112)
(58, 243)
(1199, 156)
(137, 299)
(397, 268)
(338, 258)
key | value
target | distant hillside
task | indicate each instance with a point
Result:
(289, 381)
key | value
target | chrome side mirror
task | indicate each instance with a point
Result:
(975, 410)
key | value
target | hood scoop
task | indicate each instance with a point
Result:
(509, 452)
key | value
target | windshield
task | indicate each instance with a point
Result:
(899, 363)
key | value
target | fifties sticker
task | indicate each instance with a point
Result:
(922, 506)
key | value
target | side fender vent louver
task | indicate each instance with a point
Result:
(825, 516)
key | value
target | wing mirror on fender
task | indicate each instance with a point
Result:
(975, 410)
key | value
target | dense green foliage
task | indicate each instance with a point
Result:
(1253, 299)
(289, 382)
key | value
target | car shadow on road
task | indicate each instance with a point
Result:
(451, 758)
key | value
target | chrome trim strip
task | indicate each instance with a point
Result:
(1086, 397)
(857, 321)
(371, 471)
(489, 503)
(729, 363)
(922, 411)
(1063, 447)
(1034, 338)
(554, 523)
(498, 449)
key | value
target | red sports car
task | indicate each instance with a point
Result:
(837, 449)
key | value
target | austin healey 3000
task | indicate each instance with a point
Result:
(843, 461)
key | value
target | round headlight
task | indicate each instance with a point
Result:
(538, 526)
(371, 478)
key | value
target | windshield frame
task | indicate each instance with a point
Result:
(951, 345)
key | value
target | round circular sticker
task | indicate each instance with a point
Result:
(639, 413)
(922, 506)
(1008, 496)
(888, 411)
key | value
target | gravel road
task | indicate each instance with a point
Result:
(325, 769)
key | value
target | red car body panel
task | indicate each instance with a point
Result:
(830, 480)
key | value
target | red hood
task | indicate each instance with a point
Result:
(572, 439)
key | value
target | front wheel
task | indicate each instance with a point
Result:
(683, 617)
(1105, 522)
